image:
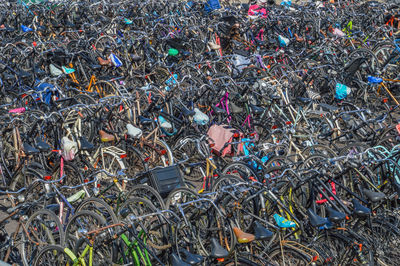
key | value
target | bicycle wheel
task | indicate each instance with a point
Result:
(104, 89)
(80, 224)
(226, 180)
(247, 260)
(158, 154)
(100, 207)
(53, 255)
(180, 196)
(384, 53)
(135, 163)
(187, 148)
(211, 223)
(288, 256)
(330, 247)
(72, 177)
(110, 162)
(43, 227)
(152, 230)
(101, 249)
(241, 170)
(149, 193)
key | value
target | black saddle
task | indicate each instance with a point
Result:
(261, 233)
(360, 210)
(217, 251)
(335, 216)
(315, 219)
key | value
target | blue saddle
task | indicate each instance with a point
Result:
(283, 223)
(374, 80)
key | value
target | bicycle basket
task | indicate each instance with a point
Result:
(166, 179)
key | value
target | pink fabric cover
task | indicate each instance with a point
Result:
(255, 10)
(338, 32)
(219, 136)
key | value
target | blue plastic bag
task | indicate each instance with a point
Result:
(283, 41)
(342, 91)
(211, 5)
(286, 3)
(171, 81)
(128, 21)
(44, 92)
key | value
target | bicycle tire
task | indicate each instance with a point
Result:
(57, 228)
(100, 207)
(147, 192)
(54, 255)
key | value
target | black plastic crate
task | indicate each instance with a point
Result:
(166, 179)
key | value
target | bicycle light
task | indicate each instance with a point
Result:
(21, 198)
(24, 218)
(96, 191)
(82, 231)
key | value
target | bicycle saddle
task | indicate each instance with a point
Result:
(282, 222)
(217, 251)
(7, 76)
(315, 219)
(235, 109)
(164, 123)
(41, 145)
(103, 62)
(261, 233)
(29, 150)
(176, 261)
(133, 131)
(374, 196)
(313, 95)
(191, 258)
(24, 74)
(335, 216)
(304, 100)
(256, 110)
(241, 52)
(186, 53)
(374, 80)
(144, 121)
(95, 66)
(217, 110)
(214, 46)
(327, 107)
(187, 112)
(105, 137)
(54, 71)
(275, 97)
(243, 237)
(85, 145)
(373, 4)
(360, 210)
(136, 58)
(39, 71)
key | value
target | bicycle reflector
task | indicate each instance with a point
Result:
(47, 177)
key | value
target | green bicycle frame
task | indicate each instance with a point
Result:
(80, 261)
(135, 251)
